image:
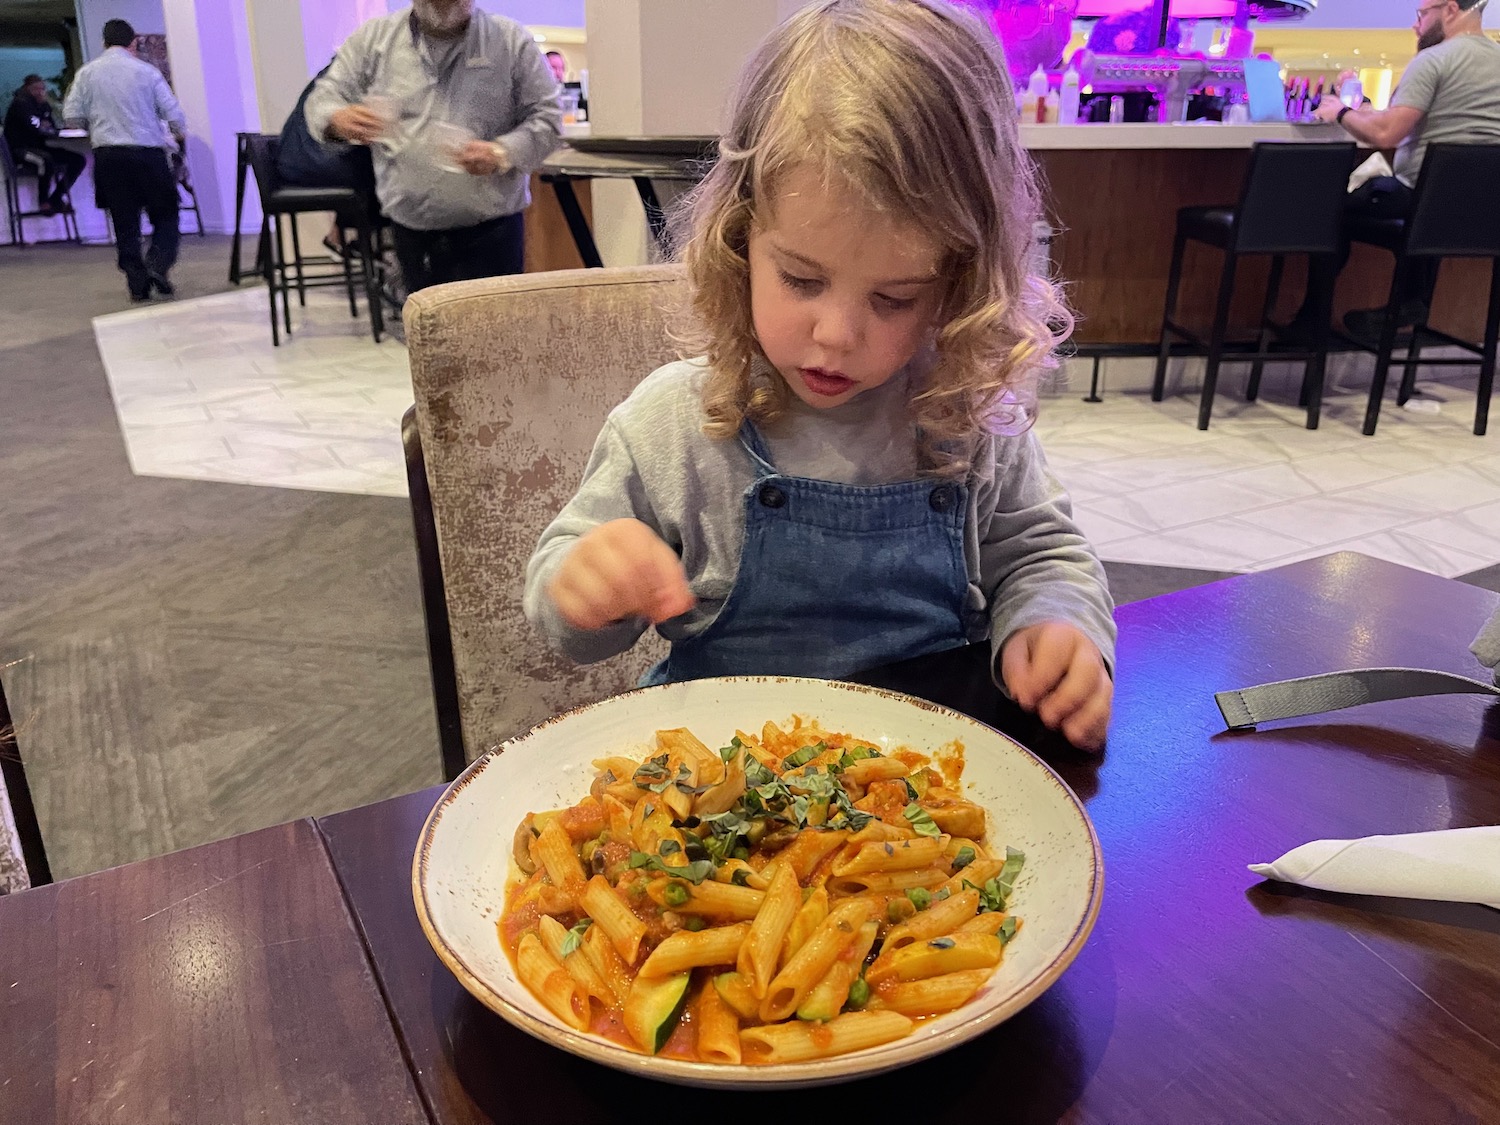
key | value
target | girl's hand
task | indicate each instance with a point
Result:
(620, 569)
(1056, 671)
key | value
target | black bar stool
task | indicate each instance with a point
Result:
(1453, 216)
(17, 215)
(281, 275)
(1292, 202)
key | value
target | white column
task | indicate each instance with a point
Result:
(214, 77)
(662, 68)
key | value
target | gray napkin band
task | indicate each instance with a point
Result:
(1333, 691)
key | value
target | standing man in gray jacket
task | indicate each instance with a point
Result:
(122, 101)
(458, 107)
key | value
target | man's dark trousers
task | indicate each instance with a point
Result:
(489, 249)
(129, 180)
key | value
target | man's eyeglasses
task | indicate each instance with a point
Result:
(1430, 8)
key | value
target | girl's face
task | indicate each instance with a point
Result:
(841, 297)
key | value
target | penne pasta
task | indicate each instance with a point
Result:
(886, 882)
(808, 965)
(547, 981)
(714, 900)
(951, 953)
(809, 917)
(727, 906)
(875, 769)
(718, 1027)
(900, 855)
(576, 964)
(607, 962)
(808, 850)
(828, 996)
(686, 950)
(609, 912)
(554, 852)
(938, 919)
(757, 961)
(932, 996)
(800, 1042)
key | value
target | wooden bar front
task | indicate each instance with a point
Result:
(1116, 210)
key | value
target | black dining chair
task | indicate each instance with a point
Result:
(17, 792)
(1448, 220)
(282, 275)
(1292, 202)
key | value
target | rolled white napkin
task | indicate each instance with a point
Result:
(1455, 865)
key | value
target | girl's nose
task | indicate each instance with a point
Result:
(836, 327)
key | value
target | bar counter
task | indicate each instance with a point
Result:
(1113, 192)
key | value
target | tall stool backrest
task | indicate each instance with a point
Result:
(260, 151)
(1293, 198)
(1455, 215)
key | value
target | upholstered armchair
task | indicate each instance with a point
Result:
(513, 378)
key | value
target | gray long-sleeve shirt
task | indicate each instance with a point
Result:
(1027, 561)
(493, 82)
(123, 100)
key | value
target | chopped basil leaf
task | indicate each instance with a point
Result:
(1007, 930)
(695, 872)
(757, 773)
(574, 936)
(942, 894)
(857, 754)
(911, 790)
(803, 756)
(1006, 880)
(942, 943)
(740, 877)
(920, 897)
(964, 857)
(669, 847)
(650, 771)
(921, 820)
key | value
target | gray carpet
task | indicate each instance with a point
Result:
(188, 660)
(184, 660)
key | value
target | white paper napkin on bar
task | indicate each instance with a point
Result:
(1456, 865)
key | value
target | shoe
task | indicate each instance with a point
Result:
(1366, 325)
(159, 282)
(59, 207)
(140, 296)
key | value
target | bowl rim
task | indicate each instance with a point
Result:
(838, 1068)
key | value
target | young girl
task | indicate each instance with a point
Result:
(827, 488)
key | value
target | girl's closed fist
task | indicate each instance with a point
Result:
(620, 569)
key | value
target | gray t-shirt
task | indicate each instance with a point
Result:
(1457, 85)
(1027, 560)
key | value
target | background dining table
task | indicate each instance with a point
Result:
(282, 976)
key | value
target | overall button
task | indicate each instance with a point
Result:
(772, 497)
(943, 497)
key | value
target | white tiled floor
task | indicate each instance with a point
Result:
(202, 394)
(1258, 490)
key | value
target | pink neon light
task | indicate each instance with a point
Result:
(1182, 9)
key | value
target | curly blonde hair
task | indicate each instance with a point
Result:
(907, 106)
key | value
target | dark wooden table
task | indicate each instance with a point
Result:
(1204, 995)
(223, 985)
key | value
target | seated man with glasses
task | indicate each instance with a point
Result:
(1450, 92)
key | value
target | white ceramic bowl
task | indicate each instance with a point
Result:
(462, 861)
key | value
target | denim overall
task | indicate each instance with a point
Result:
(834, 578)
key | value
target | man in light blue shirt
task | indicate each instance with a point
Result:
(458, 107)
(122, 101)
